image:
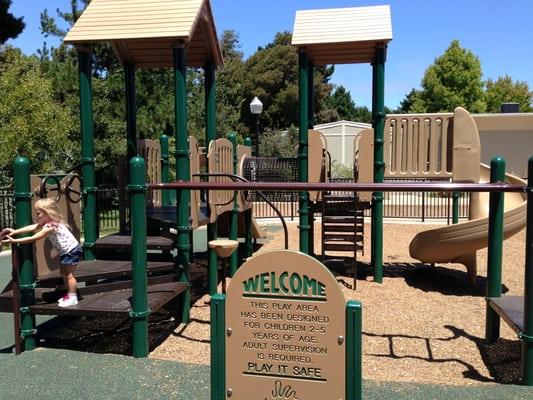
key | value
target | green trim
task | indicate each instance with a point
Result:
(526, 338)
(137, 188)
(139, 314)
(32, 285)
(23, 195)
(27, 333)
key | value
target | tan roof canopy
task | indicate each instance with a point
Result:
(342, 35)
(145, 31)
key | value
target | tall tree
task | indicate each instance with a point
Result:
(505, 90)
(10, 26)
(32, 123)
(453, 80)
(341, 101)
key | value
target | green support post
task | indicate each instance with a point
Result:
(140, 310)
(527, 333)
(131, 110)
(248, 141)
(354, 350)
(303, 149)
(165, 169)
(455, 207)
(494, 261)
(311, 125)
(218, 347)
(234, 222)
(90, 225)
(378, 122)
(23, 213)
(183, 173)
(210, 135)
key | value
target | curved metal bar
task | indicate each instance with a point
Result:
(43, 190)
(240, 178)
(218, 174)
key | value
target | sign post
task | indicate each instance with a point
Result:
(284, 334)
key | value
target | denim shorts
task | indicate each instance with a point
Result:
(72, 257)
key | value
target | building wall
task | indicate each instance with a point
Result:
(340, 138)
(509, 136)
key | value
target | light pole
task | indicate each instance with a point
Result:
(256, 107)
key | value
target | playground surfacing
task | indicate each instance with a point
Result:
(423, 325)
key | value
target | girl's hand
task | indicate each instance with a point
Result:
(6, 231)
(8, 239)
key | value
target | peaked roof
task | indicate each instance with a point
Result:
(145, 31)
(342, 35)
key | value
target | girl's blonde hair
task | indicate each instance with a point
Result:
(50, 207)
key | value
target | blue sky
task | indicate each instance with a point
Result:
(499, 33)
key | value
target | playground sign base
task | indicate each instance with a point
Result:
(281, 333)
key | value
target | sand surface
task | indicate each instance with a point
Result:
(423, 324)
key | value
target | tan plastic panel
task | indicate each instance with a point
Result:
(150, 150)
(220, 156)
(416, 145)
(45, 256)
(458, 243)
(466, 147)
(317, 161)
(242, 153)
(364, 160)
(195, 194)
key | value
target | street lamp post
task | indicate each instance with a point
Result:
(256, 107)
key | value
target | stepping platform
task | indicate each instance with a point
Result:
(511, 309)
(103, 269)
(114, 303)
(114, 242)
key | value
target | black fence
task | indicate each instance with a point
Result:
(409, 205)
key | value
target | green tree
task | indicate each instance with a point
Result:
(341, 101)
(453, 80)
(505, 90)
(32, 123)
(279, 143)
(272, 75)
(10, 27)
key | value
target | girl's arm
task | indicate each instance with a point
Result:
(20, 231)
(30, 239)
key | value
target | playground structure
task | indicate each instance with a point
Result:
(441, 147)
(143, 299)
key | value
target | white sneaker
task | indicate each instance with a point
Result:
(68, 301)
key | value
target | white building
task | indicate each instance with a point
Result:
(340, 137)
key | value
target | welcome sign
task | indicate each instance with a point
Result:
(285, 327)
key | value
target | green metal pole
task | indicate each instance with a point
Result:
(21, 167)
(311, 125)
(218, 347)
(354, 350)
(131, 110)
(90, 225)
(527, 334)
(183, 174)
(455, 207)
(378, 116)
(210, 135)
(140, 310)
(234, 222)
(165, 168)
(495, 245)
(303, 153)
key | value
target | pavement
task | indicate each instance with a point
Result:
(56, 374)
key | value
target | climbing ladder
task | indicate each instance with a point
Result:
(342, 227)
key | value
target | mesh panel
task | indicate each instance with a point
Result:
(271, 169)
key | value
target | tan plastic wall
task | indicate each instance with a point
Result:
(428, 146)
(317, 165)
(220, 156)
(46, 258)
(150, 150)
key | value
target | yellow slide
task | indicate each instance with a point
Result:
(458, 243)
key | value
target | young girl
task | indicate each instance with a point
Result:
(50, 224)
